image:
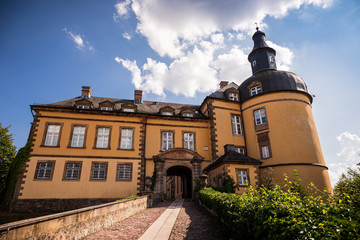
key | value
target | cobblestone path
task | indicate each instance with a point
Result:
(193, 222)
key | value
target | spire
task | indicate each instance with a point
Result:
(262, 56)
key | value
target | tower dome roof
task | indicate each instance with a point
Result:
(273, 81)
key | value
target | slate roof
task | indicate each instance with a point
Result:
(220, 94)
(148, 107)
(232, 157)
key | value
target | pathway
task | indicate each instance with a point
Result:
(169, 220)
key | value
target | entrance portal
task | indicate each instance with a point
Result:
(179, 182)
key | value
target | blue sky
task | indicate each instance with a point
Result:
(178, 51)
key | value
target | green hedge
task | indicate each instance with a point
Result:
(279, 214)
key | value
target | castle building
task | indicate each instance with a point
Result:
(88, 150)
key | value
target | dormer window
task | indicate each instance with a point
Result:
(83, 107)
(187, 112)
(188, 115)
(128, 107)
(128, 110)
(167, 113)
(233, 97)
(255, 90)
(106, 108)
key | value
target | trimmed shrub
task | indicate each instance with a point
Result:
(281, 214)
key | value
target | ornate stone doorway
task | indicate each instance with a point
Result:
(176, 162)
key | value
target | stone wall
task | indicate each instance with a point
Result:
(74, 224)
(54, 205)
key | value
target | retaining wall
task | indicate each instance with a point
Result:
(74, 224)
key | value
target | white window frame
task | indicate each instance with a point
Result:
(102, 140)
(124, 172)
(265, 151)
(73, 169)
(167, 140)
(97, 170)
(240, 150)
(126, 141)
(106, 108)
(52, 135)
(236, 124)
(255, 90)
(83, 107)
(44, 170)
(233, 97)
(188, 115)
(128, 109)
(243, 177)
(78, 137)
(260, 117)
(167, 113)
(189, 140)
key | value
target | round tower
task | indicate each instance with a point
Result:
(278, 121)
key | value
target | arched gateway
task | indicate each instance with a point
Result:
(176, 162)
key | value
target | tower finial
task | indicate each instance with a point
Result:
(257, 27)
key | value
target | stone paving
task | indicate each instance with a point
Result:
(192, 222)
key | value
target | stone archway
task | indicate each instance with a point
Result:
(176, 161)
(186, 186)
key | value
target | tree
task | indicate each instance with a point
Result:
(7, 153)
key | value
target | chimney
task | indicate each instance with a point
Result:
(138, 96)
(86, 92)
(229, 147)
(223, 84)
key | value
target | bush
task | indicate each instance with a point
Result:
(279, 214)
(7, 154)
(228, 185)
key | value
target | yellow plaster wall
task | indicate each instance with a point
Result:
(223, 111)
(252, 170)
(83, 188)
(292, 132)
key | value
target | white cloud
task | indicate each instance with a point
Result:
(170, 26)
(122, 9)
(200, 38)
(79, 41)
(127, 36)
(349, 156)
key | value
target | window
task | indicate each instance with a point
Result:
(188, 115)
(98, 171)
(233, 97)
(44, 170)
(243, 177)
(254, 63)
(102, 140)
(167, 113)
(189, 141)
(52, 135)
(240, 150)
(167, 141)
(83, 107)
(128, 110)
(271, 59)
(78, 136)
(106, 108)
(126, 140)
(124, 172)
(236, 124)
(265, 152)
(255, 90)
(72, 171)
(260, 117)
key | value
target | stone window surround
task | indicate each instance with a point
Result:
(262, 126)
(37, 170)
(72, 132)
(117, 172)
(96, 136)
(241, 125)
(92, 169)
(65, 168)
(264, 140)
(194, 139)
(255, 84)
(45, 132)
(237, 176)
(133, 136)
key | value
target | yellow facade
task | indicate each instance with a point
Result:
(89, 149)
